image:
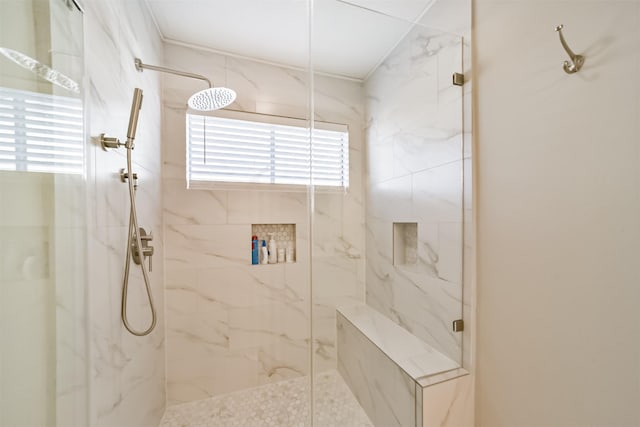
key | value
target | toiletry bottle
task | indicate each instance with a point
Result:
(265, 254)
(255, 250)
(273, 250)
(289, 253)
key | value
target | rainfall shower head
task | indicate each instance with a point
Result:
(41, 70)
(209, 99)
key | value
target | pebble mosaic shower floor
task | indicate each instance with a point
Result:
(281, 404)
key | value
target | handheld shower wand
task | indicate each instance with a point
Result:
(111, 142)
(138, 240)
(133, 117)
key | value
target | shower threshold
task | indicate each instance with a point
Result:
(281, 404)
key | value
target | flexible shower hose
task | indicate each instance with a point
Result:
(134, 233)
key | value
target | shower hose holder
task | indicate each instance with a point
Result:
(107, 142)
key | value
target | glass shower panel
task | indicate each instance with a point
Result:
(386, 250)
(238, 324)
(414, 176)
(42, 215)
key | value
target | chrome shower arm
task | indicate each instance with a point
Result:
(140, 66)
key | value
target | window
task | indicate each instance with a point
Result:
(265, 151)
(40, 132)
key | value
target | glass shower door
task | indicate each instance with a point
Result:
(386, 248)
(42, 215)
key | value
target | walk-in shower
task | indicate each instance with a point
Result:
(228, 341)
(349, 314)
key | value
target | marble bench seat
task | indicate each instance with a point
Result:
(387, 367)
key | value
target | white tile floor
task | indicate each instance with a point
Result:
(281, 404)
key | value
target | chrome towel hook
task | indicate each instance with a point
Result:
(576, 60)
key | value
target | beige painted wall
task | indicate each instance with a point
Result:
(558, 214)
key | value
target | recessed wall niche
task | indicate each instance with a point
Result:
(405, 243)
(284, 236)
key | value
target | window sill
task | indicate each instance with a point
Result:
(241, 186)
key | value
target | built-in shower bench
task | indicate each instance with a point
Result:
(387, 367)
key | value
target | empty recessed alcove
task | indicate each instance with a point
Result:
(405, 243)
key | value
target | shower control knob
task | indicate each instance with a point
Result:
(147, 250)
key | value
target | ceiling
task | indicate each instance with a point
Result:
(349, 39)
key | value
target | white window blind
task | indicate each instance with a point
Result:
(40, 132)
(243, 151)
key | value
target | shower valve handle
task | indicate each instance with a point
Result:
(151, 261)
(147, 250)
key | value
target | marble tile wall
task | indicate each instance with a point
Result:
(338, 261)
(127, 373)
(387, 394)
(231, 325)
(415, 174)
(449, 403)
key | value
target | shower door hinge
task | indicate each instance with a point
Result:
(458, 79)
(458, 325)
